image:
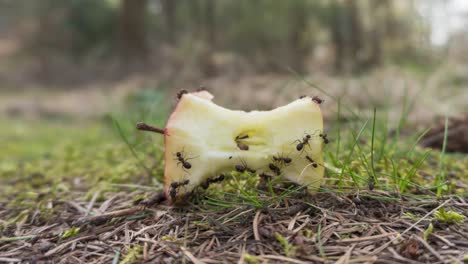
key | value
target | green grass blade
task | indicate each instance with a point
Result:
(441, 175)
(129, 145)
(350, 155)
(372, 177)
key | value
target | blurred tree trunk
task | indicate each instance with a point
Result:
(381, 16)
(169, 11)
(195, 17)
(356, 35)
(209, 66)
(298, 46)
(347, 33)
(210, 22)
(132, 22)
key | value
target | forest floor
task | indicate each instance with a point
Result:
(72, 183)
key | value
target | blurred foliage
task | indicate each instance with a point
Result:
(271, 35)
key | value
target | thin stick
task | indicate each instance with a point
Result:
(155, 199)
(431, 249)
(381, 248)
(255, 226)
(99, 219)
(145, 127)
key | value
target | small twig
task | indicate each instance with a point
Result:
(345, 258)
(98, 219)
(282, 258)
(152, 200)
(378, 250)
(91, 203)
(145, 127)
(191, 256)
(397, 256)
(360, 239)
(255, 226)
(66, 244)
(431, 249)
(18, 238)
(155, 199)
(10, 260)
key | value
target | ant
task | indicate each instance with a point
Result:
(314, 164)
(325, 139)
(207, 183)
(305, 141)
(181, 93)
(183, 160)
(318, 100)
(274, 168)
(371, 185)
(240, 145)
(282, 160)
(201, 88)
(302, 96)
(265, 176)
(175, 186)
(244, 167)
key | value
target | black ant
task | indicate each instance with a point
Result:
(274, 168)
(265, 176)
(240, 145)
(324, 137)
(207, 183)
(244, 167)
(302, 96)
(318, 100)
(282, 160)
(371, 185)
(175, 186)
(314, 164)
(305, 141)
(201, 88)
(181, 93)
(183, 160)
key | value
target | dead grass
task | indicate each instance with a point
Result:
(323, 228)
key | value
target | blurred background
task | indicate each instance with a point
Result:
(77, 75)
(63, 61)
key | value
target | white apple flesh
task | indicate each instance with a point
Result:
(204, 140)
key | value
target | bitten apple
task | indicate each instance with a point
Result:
(204, 140)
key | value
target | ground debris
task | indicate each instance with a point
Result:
(325, 228)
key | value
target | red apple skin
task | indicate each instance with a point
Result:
(167, 133)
